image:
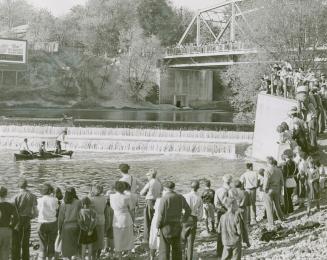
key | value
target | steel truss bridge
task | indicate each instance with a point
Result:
(219, 38)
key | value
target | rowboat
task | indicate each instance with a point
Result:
(46, 156)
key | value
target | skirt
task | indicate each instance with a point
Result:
(70, 236)
(123, 238)
(86, 239)
(99, 242)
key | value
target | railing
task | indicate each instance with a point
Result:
(208, 48)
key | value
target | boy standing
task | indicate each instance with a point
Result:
(208, 197)
(231, 228)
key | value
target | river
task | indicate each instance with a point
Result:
(85, 168)
(123, 114)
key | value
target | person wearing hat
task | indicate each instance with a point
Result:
(195, 202)
(126, 177)
(151, 191)
(61, 139)
(8, 221)
(47, 207)
(26, 205)
(169, 222)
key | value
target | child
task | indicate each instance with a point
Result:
(231, 227)
(87, 221)
(313, 185)
(208, 197)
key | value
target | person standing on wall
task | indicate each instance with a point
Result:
(26, 205)
(250, 182)
(169, 223)
(195, 202)
(151, 191)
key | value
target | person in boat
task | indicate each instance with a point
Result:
(42, 149)
(24, 148)
(61, 139)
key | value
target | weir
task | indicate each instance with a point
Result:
(222, 143)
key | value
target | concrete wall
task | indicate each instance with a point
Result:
(185, 86)
(271, 111)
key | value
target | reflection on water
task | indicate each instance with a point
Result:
(84, 168)
(131, 115)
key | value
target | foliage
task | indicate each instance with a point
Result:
(244, 82)
(14, 13)
(159, 18)
(291, 30)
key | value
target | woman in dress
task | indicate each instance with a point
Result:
(99, 204)
(154, 239)
(122, 221)
(68, 223)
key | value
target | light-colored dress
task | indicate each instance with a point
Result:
(154, 239)
(99, 204)
(122, 222)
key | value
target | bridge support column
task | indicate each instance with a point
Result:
(181, 87)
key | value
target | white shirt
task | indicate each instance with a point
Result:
(151, 190)
(249, 180)
(61, 137)
(47, 207)
(195, 203)
(120, 203)
(24, 147)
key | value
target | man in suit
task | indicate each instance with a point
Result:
(170, 220)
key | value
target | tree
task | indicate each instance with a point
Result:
(138, 67)
(292, 30)
(160, 19)
(14, 13)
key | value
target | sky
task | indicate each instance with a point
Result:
(60, 7)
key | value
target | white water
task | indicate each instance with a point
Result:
(220, 143)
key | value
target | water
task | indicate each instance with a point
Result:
(122, 114)
(85, 168)
(221, 143)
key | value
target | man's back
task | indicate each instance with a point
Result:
(249, 179)
(25, 203)
(170, 209)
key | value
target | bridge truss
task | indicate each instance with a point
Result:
(218, 20)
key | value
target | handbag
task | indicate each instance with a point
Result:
(290, 183)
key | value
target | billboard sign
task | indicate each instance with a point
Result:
(13, 54)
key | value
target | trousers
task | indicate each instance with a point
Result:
(148, 216)
(189, 241)
(5, 242)
(21, 239)
(47, 234)
(168, 245)
(271, 200)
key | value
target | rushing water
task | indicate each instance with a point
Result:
(85, 168)
(221, 143)
(123, 114)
